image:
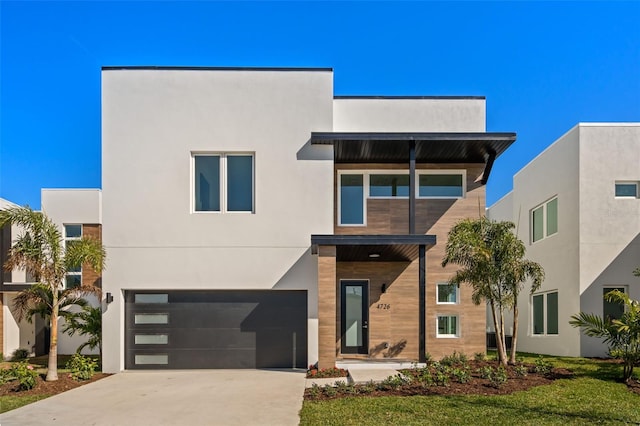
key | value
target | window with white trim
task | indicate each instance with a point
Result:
(447, 326)
(72, 233)
(223, 182)
(446, 293)
(387, 185)
(544, 312)
(441, 184)
(626, 189)
(544, 220)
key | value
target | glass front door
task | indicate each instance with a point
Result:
(354, 324)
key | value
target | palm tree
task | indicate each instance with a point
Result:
(86, 322)
(39, 250)
(492, 262)
(621, 335)
(37, 300)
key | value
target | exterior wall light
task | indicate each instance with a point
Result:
(108, 298)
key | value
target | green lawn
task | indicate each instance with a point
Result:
(592, 396)
(11, 402)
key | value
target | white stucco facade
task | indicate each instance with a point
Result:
(597, 243)
(155, 120)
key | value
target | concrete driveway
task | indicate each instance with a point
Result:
(194, 397)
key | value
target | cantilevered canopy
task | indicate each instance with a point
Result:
(379, 248)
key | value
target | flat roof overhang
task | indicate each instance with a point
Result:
(428, 147)
(388, 248)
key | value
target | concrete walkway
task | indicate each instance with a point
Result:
(194, 397)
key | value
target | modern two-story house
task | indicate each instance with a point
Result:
(577, 208)
(253, 219)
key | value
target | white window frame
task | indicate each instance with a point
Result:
(462, 172)
(545, 308)
(626, 182)
(544, 220)
(365, 191)
(438, 302)
(222, 181)
(448, 336)
(68, 239)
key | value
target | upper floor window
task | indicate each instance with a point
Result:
(545, 306)
(627, 189)
(447, 293)
(441, 184)
(351, 199)
(388, 185)
(72, 233)
(544, 220)
(223, 182)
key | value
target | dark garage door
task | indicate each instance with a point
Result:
(215, 329)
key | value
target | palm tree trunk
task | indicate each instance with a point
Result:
(52, 368)
(514, 338)
(502, 355)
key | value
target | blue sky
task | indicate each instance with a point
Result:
(543, 66)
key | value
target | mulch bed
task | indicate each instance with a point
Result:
(475, 386)
(63, 384)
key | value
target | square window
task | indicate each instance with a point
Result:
(223, 182)
(447, 293)
(629, 190)
(447, 326)
(73, 280)
(388, 185)
(72, 231)
(441, 185)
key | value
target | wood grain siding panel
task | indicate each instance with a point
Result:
(1, 322)
(327, 295)
(437, 217)
(89, 275)
(393, 315)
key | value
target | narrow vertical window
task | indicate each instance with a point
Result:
(72, 233)
(612, 310)
(351, 200)
(538, 223)
(552, 217)
(552, 313)
(239, 183)
(207, 183)
(538, 314)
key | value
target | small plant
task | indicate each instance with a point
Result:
(314, 391)
(428, 358)
(480, 356)
(366, 389)
(24, 374)
(499, 377)
(455, 359)
(325, 373)
(461, 375)
(392, 382)
(485, 372)
(1, 357)
(521, 371)
(81, 367)
(20, 354)
(5, 376)
(329, 391)
(543, 366)
(441, 374)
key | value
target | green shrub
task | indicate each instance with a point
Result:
(24, 374)
(314, 391)
(521, 370)
(20, 354)
(499, 377)
(6, 376)
(461, 375)
(81, 367)
(428, 358)
(543, 366)
(329, 390)
(480, 356)
(441, 374)
(455, 359)
(485, 372)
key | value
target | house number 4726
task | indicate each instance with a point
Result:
(384, 306)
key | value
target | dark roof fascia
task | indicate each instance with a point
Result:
(189, 68)
(353, 240)
(329, 138)
(452, 97)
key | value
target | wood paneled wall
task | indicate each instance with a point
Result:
(89, 275)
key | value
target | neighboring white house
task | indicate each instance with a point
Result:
(577, 208)
(76, 212)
